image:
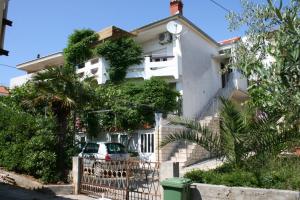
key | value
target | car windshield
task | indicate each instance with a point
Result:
(115, 148)
(91, 148)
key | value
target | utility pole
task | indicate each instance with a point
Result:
(3, 23)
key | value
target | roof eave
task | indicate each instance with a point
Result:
(174, 17)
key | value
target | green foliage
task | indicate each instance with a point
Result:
(195, 133)
(281, 173)
(79, 48)
(273, 34)
(63, 93)
(133, 105)
(244, 138)
(27, 144)
(120, 53)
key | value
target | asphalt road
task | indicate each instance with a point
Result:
(8, 192)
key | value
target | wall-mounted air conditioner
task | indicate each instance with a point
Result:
(165, 38)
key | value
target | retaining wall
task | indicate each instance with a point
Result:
(219, 192)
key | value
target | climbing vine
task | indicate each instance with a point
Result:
(80, 46)
(120, 53)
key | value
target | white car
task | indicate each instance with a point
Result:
(104, 151)
(96, 154)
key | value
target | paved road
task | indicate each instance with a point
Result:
(8, 192)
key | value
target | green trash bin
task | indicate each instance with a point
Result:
(176, 188)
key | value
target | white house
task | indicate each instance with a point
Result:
(190, 61)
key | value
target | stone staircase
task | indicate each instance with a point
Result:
(189, 153)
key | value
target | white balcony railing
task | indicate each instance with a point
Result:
(166, 67)
(150, 67)
(20, 80)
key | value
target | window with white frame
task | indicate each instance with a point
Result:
(147, 143)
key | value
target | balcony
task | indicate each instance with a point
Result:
(20, 80)
(164, 66)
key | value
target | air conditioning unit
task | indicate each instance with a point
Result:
(165, 38)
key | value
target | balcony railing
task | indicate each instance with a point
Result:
(152, 66)
(164, 66)
(20, 80)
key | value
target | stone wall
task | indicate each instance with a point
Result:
(219, 192)
(165, 130)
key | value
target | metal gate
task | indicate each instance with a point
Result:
(119, 180)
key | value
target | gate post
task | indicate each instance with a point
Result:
(168, 169)
(76, 172)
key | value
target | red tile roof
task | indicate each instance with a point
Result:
(3, 90)
(229, 41)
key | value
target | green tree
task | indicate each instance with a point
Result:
(133, 105)
(62, 90)
(270, 57)
(120, 53)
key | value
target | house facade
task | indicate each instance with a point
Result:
(191, 62)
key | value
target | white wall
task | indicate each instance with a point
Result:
(152, 47)
(200, 72)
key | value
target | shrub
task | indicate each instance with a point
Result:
(27, 144)
(282, 173)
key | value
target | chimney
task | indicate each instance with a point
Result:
(176, 7)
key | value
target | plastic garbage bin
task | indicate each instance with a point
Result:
(176, 188)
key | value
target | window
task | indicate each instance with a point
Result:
(91, 148)
(147, 143)
(124, 139)
(114, 138)
(115, 148)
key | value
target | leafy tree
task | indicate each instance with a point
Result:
(270, 57)
(120, 53)
(132, 105)
(62, 90)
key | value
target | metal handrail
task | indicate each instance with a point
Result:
(213, 106)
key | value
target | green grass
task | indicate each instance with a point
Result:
(284, 173)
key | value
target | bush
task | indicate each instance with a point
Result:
(27, 144)
(282, 173)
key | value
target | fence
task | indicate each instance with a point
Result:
(118, 180)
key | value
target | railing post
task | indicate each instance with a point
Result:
(76, 174)
(128, 174)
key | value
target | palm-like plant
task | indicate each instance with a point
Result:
(231, 142)
(62, 90)
(242, 135)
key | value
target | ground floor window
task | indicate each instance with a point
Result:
(147, 143)
(114, 138)
(124, 139)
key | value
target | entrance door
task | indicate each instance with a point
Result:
(146, 144)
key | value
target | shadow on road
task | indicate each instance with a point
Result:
(9, 192)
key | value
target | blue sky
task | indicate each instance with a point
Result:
(42, 26)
